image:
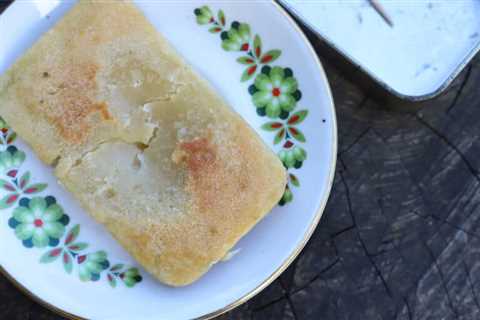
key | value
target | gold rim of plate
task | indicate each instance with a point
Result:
(292, 256)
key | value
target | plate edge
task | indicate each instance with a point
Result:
(321, 208)
(291, 257)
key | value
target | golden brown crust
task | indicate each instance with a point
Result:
(203, 169)
(72, 107)
(148, 148)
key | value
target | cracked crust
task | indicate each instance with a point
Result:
(148, 148)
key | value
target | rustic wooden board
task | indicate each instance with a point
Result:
(400, 236)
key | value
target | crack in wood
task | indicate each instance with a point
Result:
(396, 248)
(406, 306)
(269, 304)
(442, 279)
(289, 301)
(409, 311)
(362, 243)
(453, 209)
(470, 284)
(291, 270)
(443, 138)
(317, 276)
(355, 141)
(460, 90)
(340, 232)
(286, 295)
(419, 188)
(418, 185)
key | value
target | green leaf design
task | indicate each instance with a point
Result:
(221, 18)
(272, 126)
(294, 180)
(91, 265)
(297, 117)
(112, 281)
(299, 153)
(238, 38)
(11, 137)
(297, 134)
(131, 277)
(67, 262)
(117, 267)
(204, 15)
(279, 136)
(78, 246)
(35, 188)
(270, 56)
(248, 73)
(257, 46)
(287, 197)
(24, 179)
(51, 255)
(246, 60)
(215, 29)
(7, 185)
(72, 235)
(8, 200)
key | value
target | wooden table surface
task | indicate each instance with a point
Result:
(400, 236)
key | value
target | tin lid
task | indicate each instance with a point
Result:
(429, 44)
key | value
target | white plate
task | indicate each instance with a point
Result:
(265, 252)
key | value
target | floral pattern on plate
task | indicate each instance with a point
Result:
(274, 90)
(40, 222)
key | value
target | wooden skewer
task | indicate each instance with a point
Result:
(381, 11)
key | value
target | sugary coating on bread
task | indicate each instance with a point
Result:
(145, 145)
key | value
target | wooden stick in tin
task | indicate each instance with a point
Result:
(381, 11)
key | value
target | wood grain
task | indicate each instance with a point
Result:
(400, 236)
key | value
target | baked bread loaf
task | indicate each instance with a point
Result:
(145, 145)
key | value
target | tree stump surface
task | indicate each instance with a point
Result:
(400, 236)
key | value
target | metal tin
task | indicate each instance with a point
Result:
(430, 43)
